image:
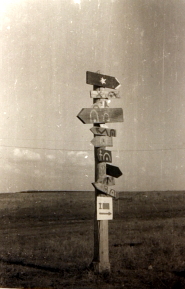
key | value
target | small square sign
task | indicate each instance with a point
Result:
(104, 208)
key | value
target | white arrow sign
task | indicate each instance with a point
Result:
(104, 208)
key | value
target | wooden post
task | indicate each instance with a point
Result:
(101, 236)
(104, 173)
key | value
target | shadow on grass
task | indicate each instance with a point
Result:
(67, 270)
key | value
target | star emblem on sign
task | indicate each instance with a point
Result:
(103, 80)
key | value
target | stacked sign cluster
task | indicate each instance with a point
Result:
(100, 115)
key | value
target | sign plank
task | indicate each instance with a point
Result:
(104, 208)
(100, 115)
(113, 171)
(102, 141)
(104, 155)
(103, 131)
(102, 80)
(108, 180)
(105, 189)
(104, 94)
(107, 169)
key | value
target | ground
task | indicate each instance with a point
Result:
(46, 241)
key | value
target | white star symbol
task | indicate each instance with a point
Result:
(103, 80)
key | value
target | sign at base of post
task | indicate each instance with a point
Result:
(104, 208)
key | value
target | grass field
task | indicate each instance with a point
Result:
(46, 241)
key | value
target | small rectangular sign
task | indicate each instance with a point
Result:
(104, 94)
(104, 155)
(103, 131)
(104, 208)
(102, 141)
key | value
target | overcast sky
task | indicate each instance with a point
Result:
(46, 49)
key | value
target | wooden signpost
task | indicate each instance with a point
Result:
(99, 114)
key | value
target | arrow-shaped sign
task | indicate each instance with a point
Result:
(104, 94)
(107, 169)
(103, 131)
(100, 115)
(102, 80)
(104, 155)
(105, 189)
(102, 141)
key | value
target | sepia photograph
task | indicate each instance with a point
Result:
(92, 147)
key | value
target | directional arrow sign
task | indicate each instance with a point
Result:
(100, 115)
(104, 208)
(105, 189)
(104, 169)
(104, 155)
(113, 171)
(104, 94)
(102, 80)
(103, 131)
(102, 141)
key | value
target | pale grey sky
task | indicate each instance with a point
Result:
(46, 49)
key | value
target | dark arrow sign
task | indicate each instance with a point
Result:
(102, 80)
(107, 169)
(113, 171)
(100, 115)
